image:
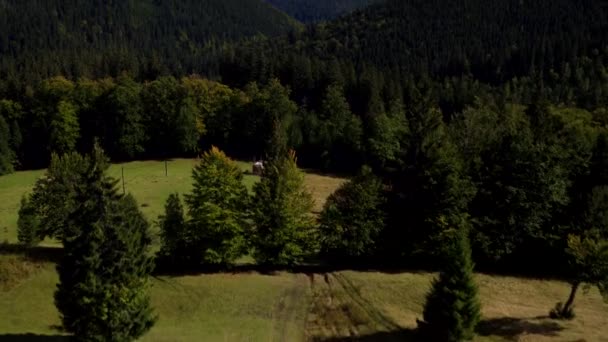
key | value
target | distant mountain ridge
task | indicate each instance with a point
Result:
(309, 11)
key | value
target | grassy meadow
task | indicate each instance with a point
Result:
(146, 180)
(251, 306)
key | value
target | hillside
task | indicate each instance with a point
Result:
(561, 43)
(145, 37)
(309, 11)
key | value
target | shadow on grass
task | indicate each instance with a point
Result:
(401, 336)
(35, 254)
(164, 269)
(33, 338)
(511, 328)
(505, 327)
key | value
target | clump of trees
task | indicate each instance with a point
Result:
(223, 222)
(214, 231)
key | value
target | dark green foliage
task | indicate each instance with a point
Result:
(523, 173)
(431, 185)
(28, 223)
(352, 220)
(54, 195)
(337, 134)
(6, 154)
(217, 208)
(127, 133)
(452, 309)
(281, 215)
(143, 38)
(174, 234)
(265, 120)
(102, 290)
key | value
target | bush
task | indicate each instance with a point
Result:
(28, 224)
(352, 219)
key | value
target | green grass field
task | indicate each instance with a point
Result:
(249, 306)
(146, 180)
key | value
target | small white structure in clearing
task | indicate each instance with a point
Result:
(258, 168)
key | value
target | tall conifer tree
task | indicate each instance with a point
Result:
(101, 293)
(452, 309)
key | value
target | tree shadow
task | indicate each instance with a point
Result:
(35, 254)
(511, 328)
(33, 338)
(182, 269)
(408, 335)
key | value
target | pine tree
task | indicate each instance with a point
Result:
(217, 209)
(452, 308)
(174, 234)
(281, 214)
(353, 218)
(101, 293)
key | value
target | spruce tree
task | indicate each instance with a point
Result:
(452, 308)
(217, 209)
(101, 293)
(174, 234)
(281, 214)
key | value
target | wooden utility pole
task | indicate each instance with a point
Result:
(123, 179)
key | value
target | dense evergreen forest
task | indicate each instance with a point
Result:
(310, 11)
(487, 115)
(146, 38)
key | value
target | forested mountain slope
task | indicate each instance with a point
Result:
(316, 10)
(561, 43)
(42, 38)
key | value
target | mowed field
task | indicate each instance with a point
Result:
(280, 306)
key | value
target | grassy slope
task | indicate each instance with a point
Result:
(145, 180)
(282, 307)
(341, 306)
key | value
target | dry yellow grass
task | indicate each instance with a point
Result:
(372, 306)
(321, 186)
